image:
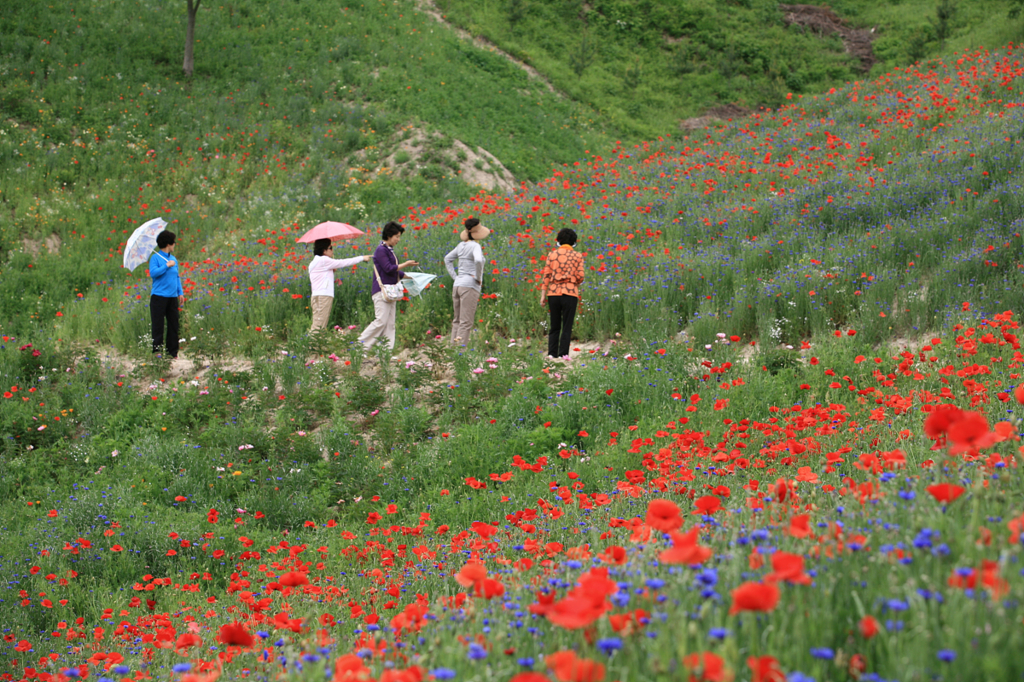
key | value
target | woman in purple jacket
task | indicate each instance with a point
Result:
(389, 270)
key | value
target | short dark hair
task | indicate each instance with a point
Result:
(320, 246)
(470, 223)
(165, 239)
(566, 236)
(390, 230)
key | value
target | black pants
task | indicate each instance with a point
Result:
(563, 312)
(161, 307)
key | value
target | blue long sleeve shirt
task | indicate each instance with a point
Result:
(164, 271)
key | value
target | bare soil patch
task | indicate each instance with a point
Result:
(421, 150)
(823, 21)
(715, 116)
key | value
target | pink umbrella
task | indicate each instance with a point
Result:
(330, 230)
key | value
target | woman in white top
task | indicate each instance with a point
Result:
(470, 275)
(321, 277)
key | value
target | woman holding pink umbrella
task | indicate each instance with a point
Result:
(321, 278)
(323, 265)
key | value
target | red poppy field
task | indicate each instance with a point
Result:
(786, 448)
(855, 516)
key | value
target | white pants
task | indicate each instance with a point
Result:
(383, 323)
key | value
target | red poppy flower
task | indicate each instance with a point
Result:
(568, 667)
(799, 526)
(470, 574)
(939, 420)
(706, 667)
(788, 568)
(685, 549)
(707, 505)
(488, 588)
(868, 627)
(350, 668)
(613, 555)
(970, 432)
(751, 596)
(945, 492)
(234, 634)
(765, 669)
(484, 530)
(187, 641)
(574, 613)
(293, 579)
(663, 515)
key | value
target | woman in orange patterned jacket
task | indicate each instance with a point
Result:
(560, 290)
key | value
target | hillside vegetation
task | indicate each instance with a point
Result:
(647, 64)
(786, 447)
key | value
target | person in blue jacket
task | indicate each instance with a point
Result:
(167, 293)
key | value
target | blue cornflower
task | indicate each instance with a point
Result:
(823, 652)
(718, 633)
(609, 645)
(121, 670)
(655, 583)
(476, 652)
(443, 674)
(182, 667)
(946, 655)
(526, 662)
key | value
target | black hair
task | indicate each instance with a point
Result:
(165, 239)
(390, 230)
(320, 246)
(566, 236)
(470, 224)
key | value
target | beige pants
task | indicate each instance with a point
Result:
(383, 323)
(321, 306)
(464, 302)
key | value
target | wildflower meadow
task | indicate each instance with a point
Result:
(785, 447)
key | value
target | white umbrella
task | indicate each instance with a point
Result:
(416, 282)
(142, 242)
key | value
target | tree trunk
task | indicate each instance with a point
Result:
(190, 37)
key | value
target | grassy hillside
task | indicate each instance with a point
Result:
(647, 64)
(786, 448)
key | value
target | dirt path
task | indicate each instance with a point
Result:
(430, 8)
(823, 21)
